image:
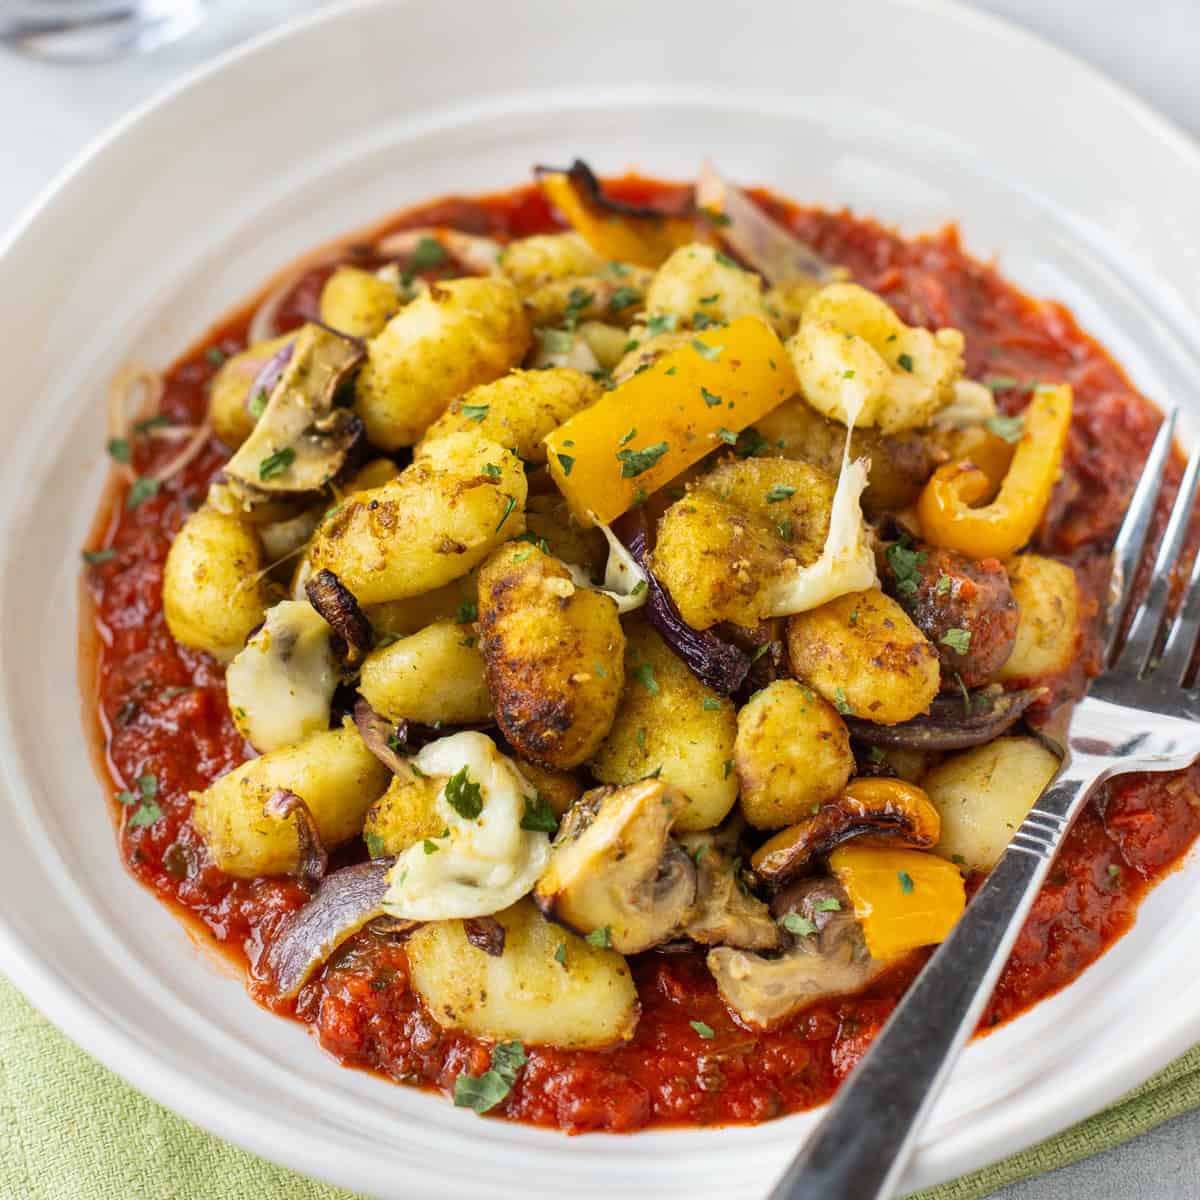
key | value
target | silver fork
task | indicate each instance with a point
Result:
(1136, 717)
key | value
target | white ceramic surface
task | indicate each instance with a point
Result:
(908, 109)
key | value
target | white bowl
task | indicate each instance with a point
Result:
(917, 112)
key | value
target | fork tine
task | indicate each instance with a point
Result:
(1143, 630)
(1127, 549)
(1181, 641)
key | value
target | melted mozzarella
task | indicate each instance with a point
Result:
(281, 682)
(480, 865)
(625, 582)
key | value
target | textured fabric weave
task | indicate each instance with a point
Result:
(71, 1130)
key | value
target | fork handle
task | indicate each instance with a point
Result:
(863, 1143)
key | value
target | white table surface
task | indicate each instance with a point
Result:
(48, 113)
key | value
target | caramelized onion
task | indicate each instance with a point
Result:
(378, 733)
(486, 934)
(952, 723)
(717, 663)
(353, 636)
(313, 857)
(345, 902)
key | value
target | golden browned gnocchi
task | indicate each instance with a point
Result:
(548, 987)
(551, 525)
(518, 410)
(434, 676)
(700, 285)
(864, 655)
(673, 727)
(214, 590)
(792, 754)
(333, 773)
(432, 524)
(358, 302)
(405, 814)
(535, 261)
(231, 408)
(615, 296)
(554, 654)
(1048, 629)
(459, 334)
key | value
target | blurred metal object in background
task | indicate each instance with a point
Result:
(81, 31)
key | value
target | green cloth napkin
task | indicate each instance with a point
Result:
(71, 1130)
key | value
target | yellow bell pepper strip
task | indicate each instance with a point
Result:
(622, 236)
(902, 898)
(635, 438)
(1001, 528)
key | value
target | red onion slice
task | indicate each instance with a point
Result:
(345, 902)
(269, 374)
(313, 857)
(378, 733)
(717, 663)
(952, 723)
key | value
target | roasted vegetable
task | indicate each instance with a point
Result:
(999, 529)
(613, 229)
(554, 655)
(792, 754)
(671, 726)
(459, 334)
(953, 722)
(870, 811)
(432, 524)
(725, 913)
(984, 794)
(214, 590)
(828, 957)
(614, 873)
(434, 676)
(863, 654)
(333, 772)
(902, 898)
(549, 987)
(647, 430)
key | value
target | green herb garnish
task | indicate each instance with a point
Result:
(277, 463)
(483, 1092)
(463, 794)
(637, 462)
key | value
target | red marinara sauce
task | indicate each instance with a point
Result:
(159, 711)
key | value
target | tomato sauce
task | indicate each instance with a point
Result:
(160, 711)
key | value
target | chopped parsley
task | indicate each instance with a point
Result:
(376, 847)
(725, 260)
(906, 566)
(475, 412)
(560, 955)
(663, 323)
(1010, 429)
(829, 904)
(566, 461)
(943, 585)
(726, 768)
(705, 1031)
(428, 253)
(800, 926)
(215, 355)
(577, 301)
(598, 667)
(257, 404)
(841, 703)
(714, 217)
(906, 882)
(601, 937)
(751, 442)
(95, 557)
(539, 816)
(644, 674)
(905, 360)
(779, 491)
(710, 704)
(464, 795)
(876, 754)
(622, 298)
(118, 449)
(1001, 383)
(637, 462)
(853, 616)
(430, 846)
(710, 398)
(492, 470)
(467, 612)
(1114, 873)
(712, 353)
(142, 489)
(959, 640)
(630, 434)
(483, 1092)
(786, 529)
(277, 463)
(507, 512)
(557, 341)
(147, 813)
(727, 436)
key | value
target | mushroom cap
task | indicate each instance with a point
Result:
(613, 866)
(726, 913)
(887, 811)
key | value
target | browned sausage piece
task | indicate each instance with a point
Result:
(963, 606)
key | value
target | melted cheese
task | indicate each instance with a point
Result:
(625, 582)
(281, 682)
(481, 865)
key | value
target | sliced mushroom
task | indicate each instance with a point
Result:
(614, 867)
(953, 722)
(828, 957)
(301, 441)
(336, 603)
(280, 685)
(726, 913)
(887, 810)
